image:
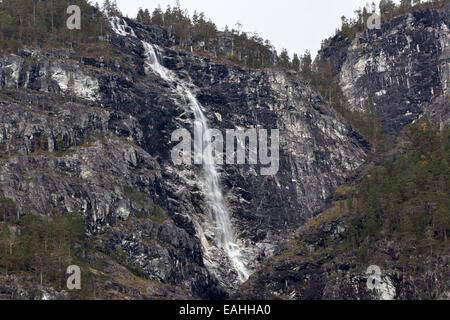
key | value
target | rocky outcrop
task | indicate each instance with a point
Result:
(306, 269)
(113, 282)
(402, 68)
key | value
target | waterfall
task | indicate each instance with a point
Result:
(121, 27)
(224, 235)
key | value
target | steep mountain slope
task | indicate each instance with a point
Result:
(393, 214)
(401, 69)
(92, 136)
(394, 211)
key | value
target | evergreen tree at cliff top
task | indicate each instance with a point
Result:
(42, 23)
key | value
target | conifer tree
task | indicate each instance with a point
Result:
(306, 66)
(296, 63)
(284, 60)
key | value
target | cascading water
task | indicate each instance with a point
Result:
(224, 235)
(120, 27)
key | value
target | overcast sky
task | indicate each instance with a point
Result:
(296, 25)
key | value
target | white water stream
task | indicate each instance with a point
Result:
(224, 235)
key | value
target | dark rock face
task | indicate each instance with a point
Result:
(334, 50)
(403, 68)
(304, 270)
(95, 138)
(11, 290)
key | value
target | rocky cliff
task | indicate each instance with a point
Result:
(92, 136)
(335, 255)
(402, 69)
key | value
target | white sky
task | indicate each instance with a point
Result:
(296, 25)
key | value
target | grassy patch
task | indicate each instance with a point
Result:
(41, 246)
(158, 215)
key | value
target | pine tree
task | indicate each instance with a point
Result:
(405, 5)
(284, 60)
(140, 15)
(111, 9)
(157, 17)
(296, 63)
(387, 8)
(306, 66)
(147, 17)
